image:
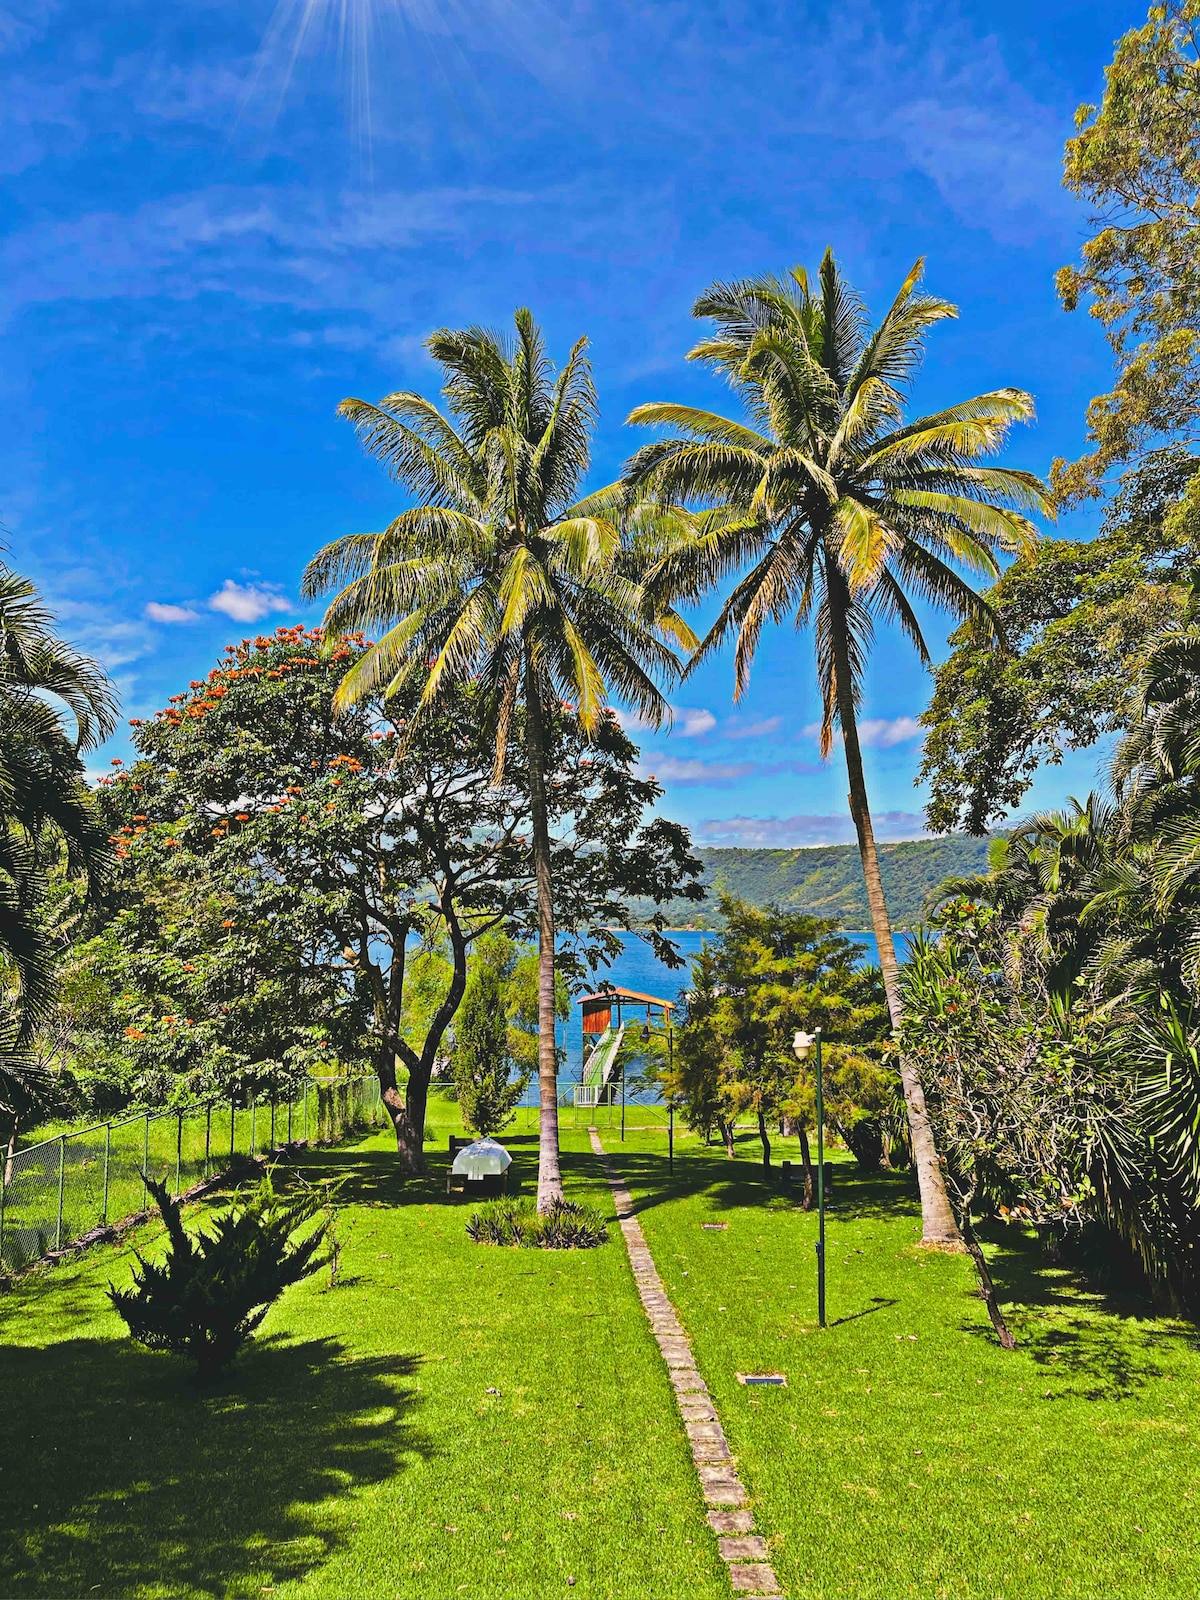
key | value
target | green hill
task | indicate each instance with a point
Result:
(827, 880)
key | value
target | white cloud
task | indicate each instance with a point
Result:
(671, 769)
(878, 733)
(693, 721)
(166, 613)
(248, 602)
(689, 721)
(753, 730)
(792, 832)
(881, 733)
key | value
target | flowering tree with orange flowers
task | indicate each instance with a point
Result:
(283, 869)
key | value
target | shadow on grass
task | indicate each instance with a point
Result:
(123, 1476)
(1094, 1343)
(373, 1177)
(730, 1185)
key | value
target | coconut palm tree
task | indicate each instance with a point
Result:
(502, 575)
(830, 510)
(54, 704)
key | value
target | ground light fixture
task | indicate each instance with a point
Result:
(802, 1044)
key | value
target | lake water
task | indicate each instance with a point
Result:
(639, 968)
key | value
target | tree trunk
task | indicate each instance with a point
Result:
(727, 1134)
(987, 1288)
(549, 1185)
(806, 1163)
(766, 1142)
(10, 1150)
(406, 1111)
(938, 1226)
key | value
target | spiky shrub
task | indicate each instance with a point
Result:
(567, 1225)
(212, 1290)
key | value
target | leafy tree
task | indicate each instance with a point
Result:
(297, 885)
(55, 704)
(1049, 1100)
(505, 578)
(1084, 937)
(768, 974)
(488, 1091)
(843, 514)
(1136, 159)
(1076, 617)
(213, 1289)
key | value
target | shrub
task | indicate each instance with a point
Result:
(211, 1291)
(566, 1226)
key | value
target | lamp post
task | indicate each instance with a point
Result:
(802, 1044)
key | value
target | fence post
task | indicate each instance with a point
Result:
(272, 1144)
(253, 1104)
(62, 1172)
(207, 1137)
(307, 1090)
(232, 1128)
(146, 1148)
(291, 1107)
(107, 1155)
(178, 1150)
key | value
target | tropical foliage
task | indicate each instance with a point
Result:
(1136, 159)
(1077, 617)
(212, 1289)
(55, 705)
(504, 578)
(768, 974)
(828, 509)
(1058, 1018)
(297, 885)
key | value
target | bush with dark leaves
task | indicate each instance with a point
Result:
(566, 1226)
(212, 1290)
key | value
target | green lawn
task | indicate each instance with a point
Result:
(358, 1450)
(909, 1454)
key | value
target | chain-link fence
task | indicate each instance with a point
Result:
(56, 1191)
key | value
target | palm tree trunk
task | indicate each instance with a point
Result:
(549, 1187)
(938, 1226)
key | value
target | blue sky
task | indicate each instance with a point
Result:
(223, 217)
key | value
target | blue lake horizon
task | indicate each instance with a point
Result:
(637, 967)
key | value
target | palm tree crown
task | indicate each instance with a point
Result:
(503, 570)
(54, 704)
(841, 509)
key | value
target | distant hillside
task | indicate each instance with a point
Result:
(827, 880)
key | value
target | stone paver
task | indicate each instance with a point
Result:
(745, 1552)
(755, 1579)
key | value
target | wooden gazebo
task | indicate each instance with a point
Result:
(599, 1009)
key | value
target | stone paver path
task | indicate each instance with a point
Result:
(729, 1515)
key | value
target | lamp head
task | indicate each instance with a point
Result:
(645, 1033)
(802, 1044)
